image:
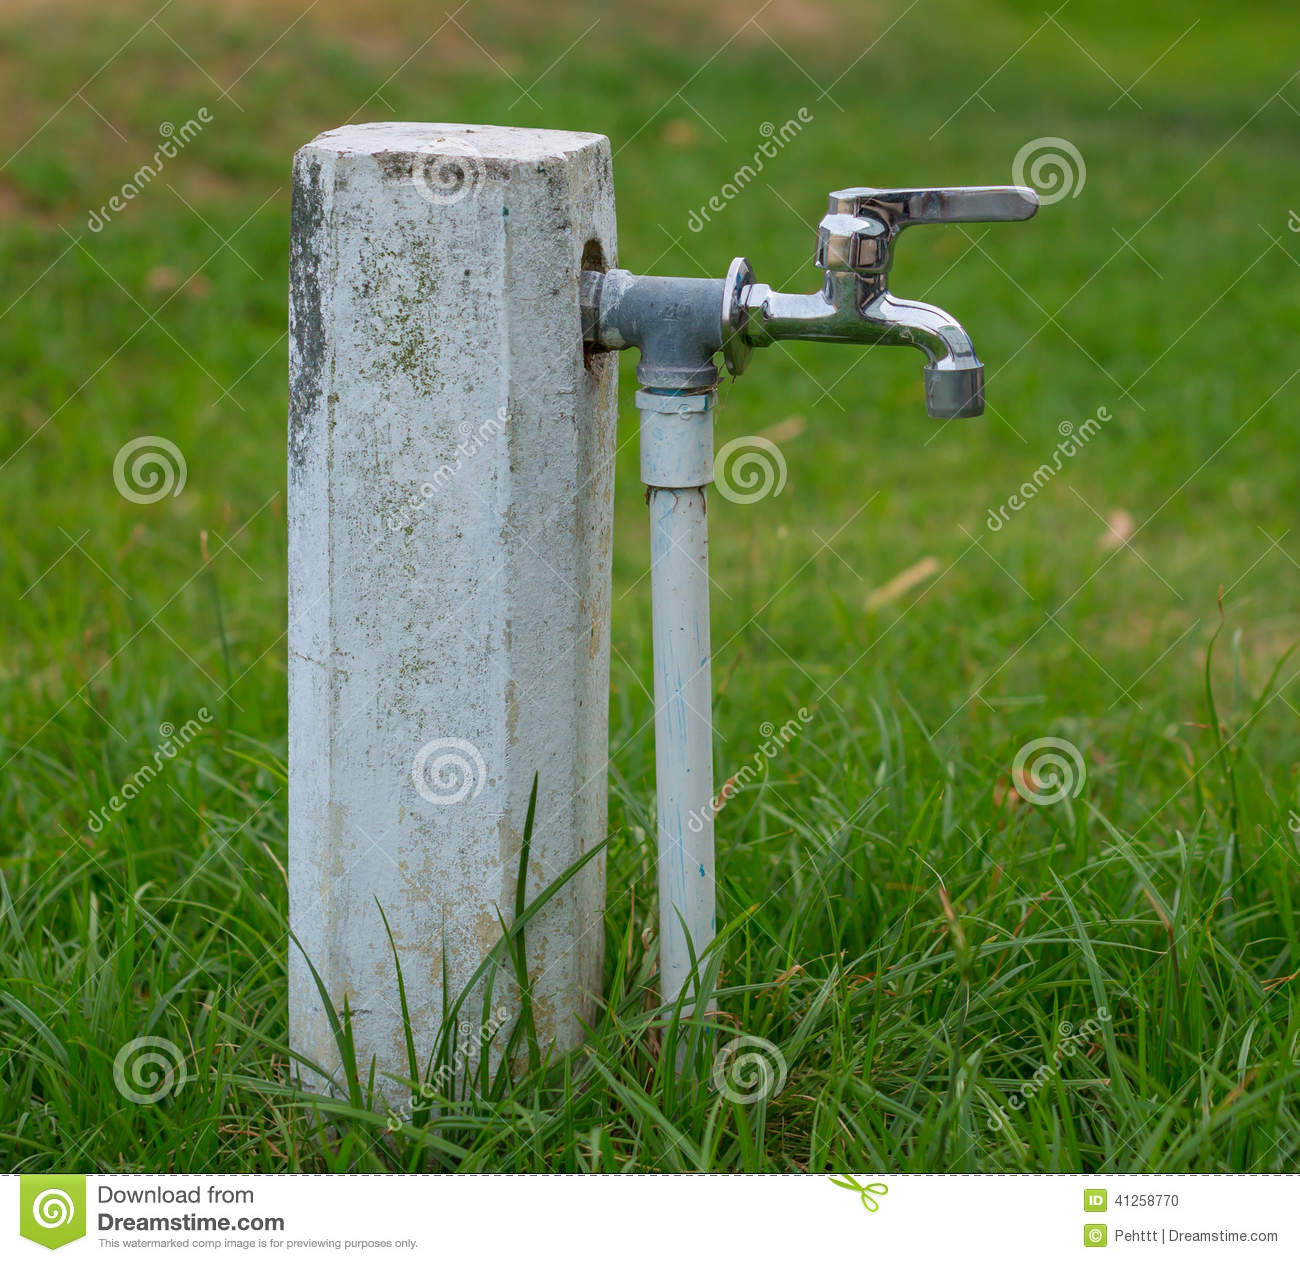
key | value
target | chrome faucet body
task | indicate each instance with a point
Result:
(680, 323)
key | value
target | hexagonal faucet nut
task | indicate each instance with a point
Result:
(853, 243)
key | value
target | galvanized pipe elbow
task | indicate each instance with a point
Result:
(675, 322)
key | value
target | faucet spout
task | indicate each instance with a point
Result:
(861, 309)
(954, 375)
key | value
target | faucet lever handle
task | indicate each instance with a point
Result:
(900, 208)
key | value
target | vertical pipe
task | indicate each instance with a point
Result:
(450, 518)
(677, 465)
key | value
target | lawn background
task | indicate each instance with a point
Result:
(916, 939)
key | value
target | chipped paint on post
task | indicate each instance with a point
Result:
(450, 519)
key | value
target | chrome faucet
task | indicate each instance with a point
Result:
(855, 248)
(679, 324)
(675, 320)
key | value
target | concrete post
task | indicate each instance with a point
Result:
(450, 520)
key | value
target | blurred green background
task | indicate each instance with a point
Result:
(1159, 286)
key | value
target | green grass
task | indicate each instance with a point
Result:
(916, 940)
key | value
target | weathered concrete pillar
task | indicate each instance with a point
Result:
(450, 517)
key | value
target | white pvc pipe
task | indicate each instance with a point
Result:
(676, 448)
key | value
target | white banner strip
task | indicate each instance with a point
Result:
(633, 1218)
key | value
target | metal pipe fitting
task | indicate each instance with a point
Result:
(675, 321)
